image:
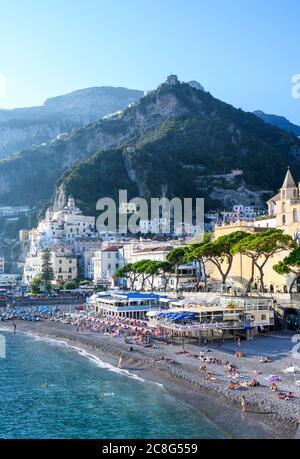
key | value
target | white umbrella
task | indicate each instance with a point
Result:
(292, 369)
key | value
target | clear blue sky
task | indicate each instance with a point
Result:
(243, 51)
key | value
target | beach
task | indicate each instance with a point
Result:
(180, 373)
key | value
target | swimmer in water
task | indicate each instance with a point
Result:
(45, 385)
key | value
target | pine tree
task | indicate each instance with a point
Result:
(47, 270)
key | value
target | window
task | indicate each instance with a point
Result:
(283, 220)
(295, 216)
(70, 270)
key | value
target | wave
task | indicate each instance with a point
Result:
(6, 329)
(92, 358)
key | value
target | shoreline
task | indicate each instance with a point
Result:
(221, 407)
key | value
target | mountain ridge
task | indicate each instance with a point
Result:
(186, 143)
(21, 128)
(279, 121)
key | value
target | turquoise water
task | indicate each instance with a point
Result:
(85, 398)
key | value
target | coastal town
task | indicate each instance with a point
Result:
(149, 226)
(225, 302)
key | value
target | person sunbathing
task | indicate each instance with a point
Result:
(274, 387)
(285, 395)
(203, 368)
(233, 385)
(253, 383)
(258, 372)
(240, 354)
(210, 377)
(264, 360)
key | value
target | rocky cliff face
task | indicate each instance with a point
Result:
(22, 128)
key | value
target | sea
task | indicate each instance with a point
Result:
(51, 390)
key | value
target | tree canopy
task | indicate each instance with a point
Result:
(47, 269)
(219, 251)
(260, 247)
(289, 265)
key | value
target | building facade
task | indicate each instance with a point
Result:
(2, 264)
(64, 265)
(129, 305)
(283, 214)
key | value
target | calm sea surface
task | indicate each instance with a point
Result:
(85, 398)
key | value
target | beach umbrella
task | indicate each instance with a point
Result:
(291, 369)
(272, 378)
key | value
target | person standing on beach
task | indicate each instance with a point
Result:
(120, 362)
(15, 327)
(244, 404)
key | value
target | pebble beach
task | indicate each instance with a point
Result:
(170, 364)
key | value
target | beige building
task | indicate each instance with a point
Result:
(64, 265)
(284, 214)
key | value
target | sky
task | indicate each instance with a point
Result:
(244, 52)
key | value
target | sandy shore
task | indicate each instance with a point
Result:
(266, 417)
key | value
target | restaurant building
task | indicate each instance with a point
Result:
(227, 317)
(129, 305)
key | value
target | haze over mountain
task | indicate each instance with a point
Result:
(279, 121)
(21, 128)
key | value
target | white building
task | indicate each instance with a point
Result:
(106, 262)
(2, 263)
(129, 305)
(241, 212)
(266, 222)
(66, 226)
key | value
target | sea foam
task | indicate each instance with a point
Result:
(92, 358)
